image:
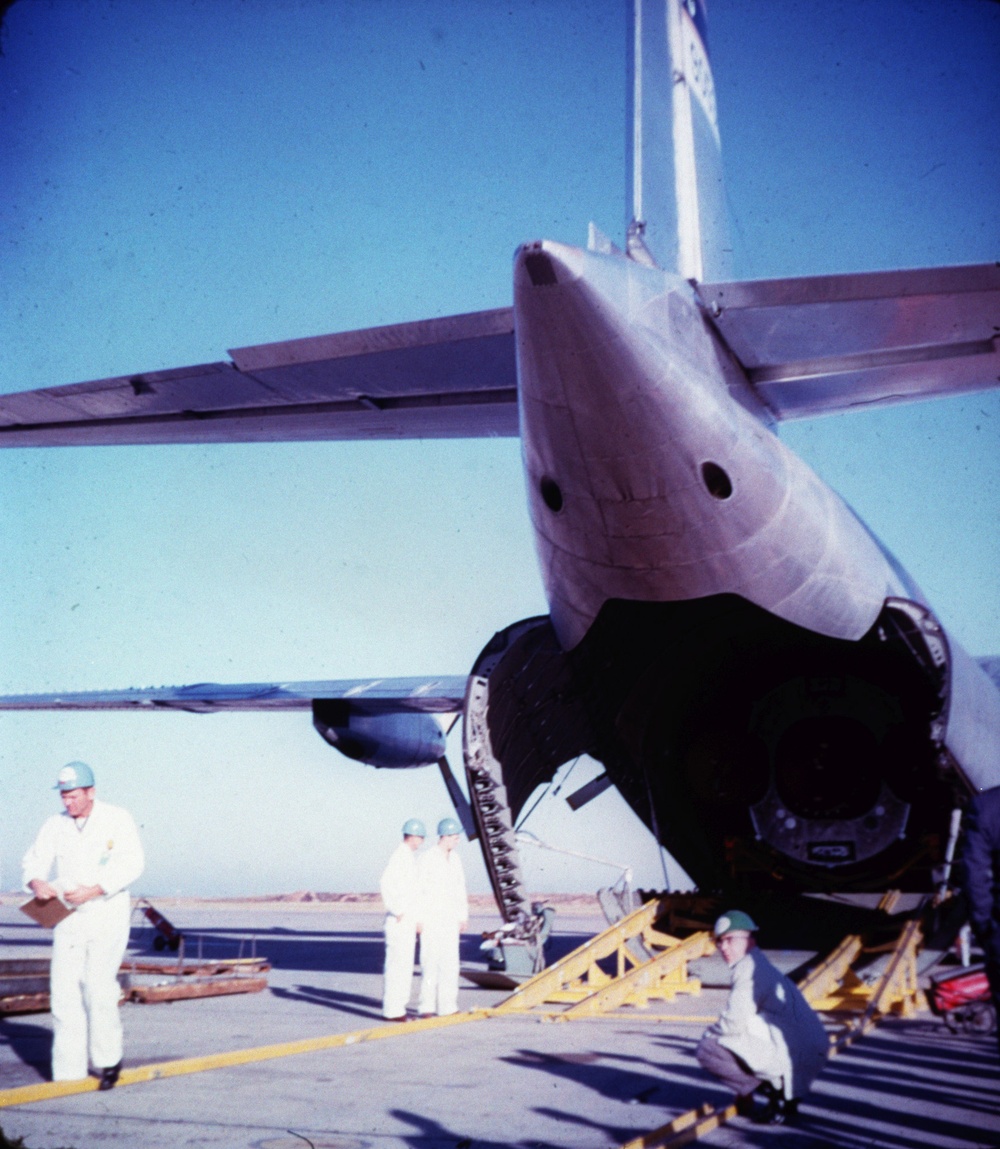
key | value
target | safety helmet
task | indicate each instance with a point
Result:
(448, 826)
(414, 828)
(74, 776)
(733, 921)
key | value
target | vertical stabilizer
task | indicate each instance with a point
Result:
(678, 207)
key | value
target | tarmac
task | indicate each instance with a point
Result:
(494, 1083)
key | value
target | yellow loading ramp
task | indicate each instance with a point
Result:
(578, 982)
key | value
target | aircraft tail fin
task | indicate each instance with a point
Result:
(678, 205)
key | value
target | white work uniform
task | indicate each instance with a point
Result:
(400, 888)
(444, 906)
(770, 1026)
(87, 947)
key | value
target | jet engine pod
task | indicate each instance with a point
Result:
(395, 741)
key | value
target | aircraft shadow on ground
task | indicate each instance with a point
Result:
(911, 1078)
(356, 1003)
(642, 1082)
(429, 1134)
(332, 951)
(306, 950)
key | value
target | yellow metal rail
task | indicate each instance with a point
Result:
(684, 1129)
(47, 1090)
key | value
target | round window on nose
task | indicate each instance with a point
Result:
(552, 495)
(717, 482)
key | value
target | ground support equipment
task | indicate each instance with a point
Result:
(963, 1001)
(47, 1090)
(149, 982)
(579, 982)
(24, 985)
(168, 936)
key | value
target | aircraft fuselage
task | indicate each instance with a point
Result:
(757, 684)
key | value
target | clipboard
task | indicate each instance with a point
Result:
(48, 913)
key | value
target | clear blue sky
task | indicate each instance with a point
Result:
(182, 179)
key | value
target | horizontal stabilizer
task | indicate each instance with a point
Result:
(822, 345)
(367, 696)
(437, 378)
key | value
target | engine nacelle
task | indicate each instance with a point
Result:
(395, 741)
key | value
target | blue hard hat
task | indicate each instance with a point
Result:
(74, 776)
(414, 828)
(448, 826)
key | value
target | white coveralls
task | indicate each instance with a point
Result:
(444, 906)
(400, 888)
(771, 1027)
(88, 946)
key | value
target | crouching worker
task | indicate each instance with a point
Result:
(768, 1045)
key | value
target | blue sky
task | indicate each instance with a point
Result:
(182, 179)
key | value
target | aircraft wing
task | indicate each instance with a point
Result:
(365, 696)
(817, 346)
(438, 378)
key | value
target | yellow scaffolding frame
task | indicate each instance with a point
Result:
(578, 981)
(834, 987)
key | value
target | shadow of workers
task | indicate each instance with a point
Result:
(31, 1044)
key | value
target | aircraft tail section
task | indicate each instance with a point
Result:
(678, 205)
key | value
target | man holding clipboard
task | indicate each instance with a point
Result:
(79, 869)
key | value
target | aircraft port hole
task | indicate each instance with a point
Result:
(717, 482)
(551, 494)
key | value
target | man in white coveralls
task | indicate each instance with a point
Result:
(444, 914)
(768, 1041)
(87, 856)
(400, 889)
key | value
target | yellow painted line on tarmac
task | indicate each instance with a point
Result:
(671, 1018)
(47, 1090)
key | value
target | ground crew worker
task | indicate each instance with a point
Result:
(87, 856)
(444, 914)
(768, 1041)
(400, 888)
(979, 877)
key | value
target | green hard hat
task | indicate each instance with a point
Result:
(733, 920)
(414, 828)
(448, 826)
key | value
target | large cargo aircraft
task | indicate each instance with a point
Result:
(761, 680)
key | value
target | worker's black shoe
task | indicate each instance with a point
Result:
(745, 1105)
(769, 1106)
(402, 1017)
(109, 1076)
(786, 1112)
